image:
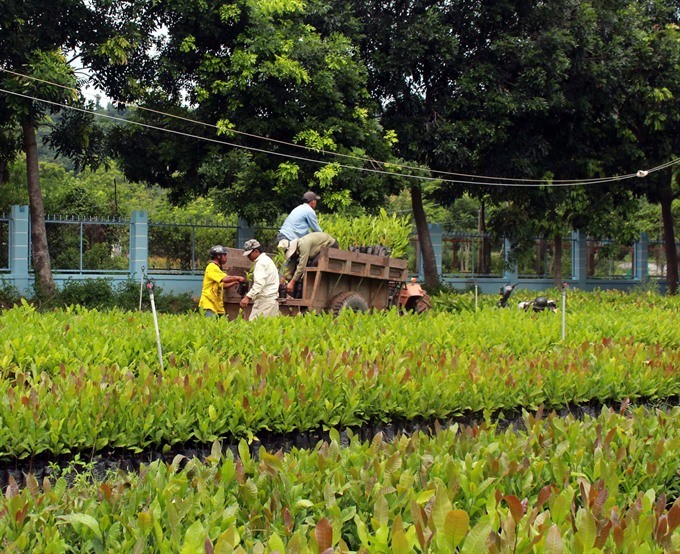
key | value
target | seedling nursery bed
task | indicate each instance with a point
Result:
(100, 463)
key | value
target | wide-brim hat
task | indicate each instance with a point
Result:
(290, 246)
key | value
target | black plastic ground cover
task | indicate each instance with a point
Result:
(98, 464)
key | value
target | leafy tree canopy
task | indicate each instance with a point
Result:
(256, 68)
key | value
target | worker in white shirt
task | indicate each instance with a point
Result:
(265, 289)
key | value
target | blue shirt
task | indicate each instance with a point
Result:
(299, 222)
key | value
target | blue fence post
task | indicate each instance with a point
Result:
(510, 273)
(641, 256)
(139, 243)
(19, 248)
(579, 259)
(244, 232)
(437, 238)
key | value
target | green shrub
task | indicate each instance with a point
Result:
(127, 295)
(90, 293)
(9, 295)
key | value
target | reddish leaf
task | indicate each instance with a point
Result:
(12, 487)
(106, 490)
(20, 515)
(240, 472)
(610, 436)
(543, 495)
(674, 516)
(287, 520)
(324, 534)
(599, 501)
(618, 536)
(660, 505)
(661, 528)
(603, 534)
(515, 507)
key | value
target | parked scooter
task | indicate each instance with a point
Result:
(505, 292)
(538, 305)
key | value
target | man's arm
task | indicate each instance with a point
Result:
(231, 280)
(313, 221)
(303, 252)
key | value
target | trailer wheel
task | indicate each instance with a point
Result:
(348, 299)
(417, 305)
(424, 304)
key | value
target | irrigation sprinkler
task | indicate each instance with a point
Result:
(149, 287)
(565, 286)
(141, 287)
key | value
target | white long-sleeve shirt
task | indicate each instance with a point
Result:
(265, 279)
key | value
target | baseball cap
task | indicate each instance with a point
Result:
(251, 245)
(310, 196)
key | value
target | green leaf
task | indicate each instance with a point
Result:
(456, 526)
(553, 541)
(476, 539)
(83, 519)
(194, 539)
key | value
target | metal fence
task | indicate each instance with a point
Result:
(88, 245)
(471, 255)
(184, 248)
(121, 249)
(537, 260)
(606, 259)
(656, 259)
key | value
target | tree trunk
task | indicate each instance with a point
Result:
(424, 239)
(541, 251)
(557, 261)
(484, 263)
(44, 283)
(669, 238)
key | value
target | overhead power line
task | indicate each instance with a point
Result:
(464, 179)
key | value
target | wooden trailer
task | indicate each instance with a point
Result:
(340, 279)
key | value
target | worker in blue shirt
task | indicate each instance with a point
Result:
(301, 220)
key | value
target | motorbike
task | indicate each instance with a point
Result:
(539, 304)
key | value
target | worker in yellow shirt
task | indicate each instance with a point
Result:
(214, 282)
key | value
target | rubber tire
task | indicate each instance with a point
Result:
(348, 300)
(424, 304)
(419, 306)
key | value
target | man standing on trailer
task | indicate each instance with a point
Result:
(265, 290)
(214, 281)
(301, 219)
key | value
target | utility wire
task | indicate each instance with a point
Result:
(469, 179)
(499, 180)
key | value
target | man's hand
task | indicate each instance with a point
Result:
(244, 302)
(290, 287)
